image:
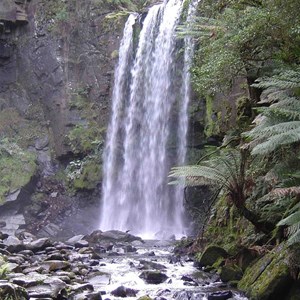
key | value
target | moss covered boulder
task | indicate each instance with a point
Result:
(231, 273)
(17, 167)
(268, 278)
(210, 255)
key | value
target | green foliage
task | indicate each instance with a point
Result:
(3, 271)
(237, 37)
(225, 171)
(84, 174)
(23, 130)
(17, 166)
(279, 124)
(293, 223)
(121, 4)
(83, 139)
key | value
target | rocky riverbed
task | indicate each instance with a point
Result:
(103, 265)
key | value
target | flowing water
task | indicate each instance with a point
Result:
(185, 282)
(149, 120)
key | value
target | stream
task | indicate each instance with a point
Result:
(184, 280)
(103, 265)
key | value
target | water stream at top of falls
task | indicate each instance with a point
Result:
(149, 120)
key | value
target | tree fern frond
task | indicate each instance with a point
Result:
(284, 192)
(290, 220)
(207, 175)
(288, 79)
(263, 132)
(276, 141)
(287, 102)
(295, 238)
(273, 94)
(293, 228)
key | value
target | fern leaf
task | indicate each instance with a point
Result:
(290, 220)
(295, 238)
(284, 192)
(276, 141)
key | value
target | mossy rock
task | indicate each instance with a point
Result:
(84, 174)
(268, 278)
(210, 255)
(231, 273)
(17, 167)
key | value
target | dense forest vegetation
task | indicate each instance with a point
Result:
(256, 171)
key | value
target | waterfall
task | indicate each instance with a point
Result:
(141, 133)
(183, 119)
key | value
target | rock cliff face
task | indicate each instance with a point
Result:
(64, 50)
(57, 61)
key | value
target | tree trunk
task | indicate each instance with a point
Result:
(263, 226)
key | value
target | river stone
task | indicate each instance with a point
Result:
(51, 287)
(3, 235)
(111, 235)
(123, 292)
(153, 277)
(55, 256)
(88, 296)
(12, 241)
(187, 295)
(75, 239)
(54, 265)
(30, 279)
(12, 291)
(210, 255)
(80, 288)
(39, 245)
(222, 295)
(16, 259)
(150, 265)
(81, 244)
(13, 267)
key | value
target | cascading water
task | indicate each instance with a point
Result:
(138, 153)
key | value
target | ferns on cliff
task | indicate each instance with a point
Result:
(279, 124)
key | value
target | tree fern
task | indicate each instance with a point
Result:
(279, 123)
(227, 173)
(293, 221)
(287, 79)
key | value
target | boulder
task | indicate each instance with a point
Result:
(222, 295)
(210, 255)
(111, 236)
(150, 265)
(269, 277)
(54, 265)
(12, 291)
(13, 244)
(231, 273)
(153, 277)
(39, 245)
(123, 292)
(75, 239)
(81, 244)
